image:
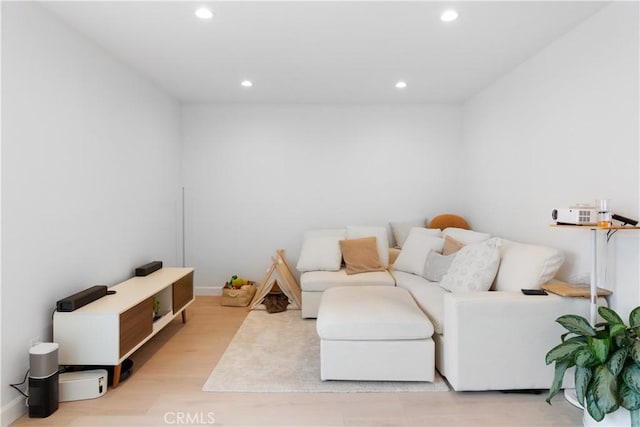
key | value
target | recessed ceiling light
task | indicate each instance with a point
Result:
(449, 15)
(204, 13)
(401, 85)
(246, 83)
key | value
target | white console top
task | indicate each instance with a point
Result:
(132, 291)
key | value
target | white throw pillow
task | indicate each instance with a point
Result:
(382, 239)
(401, 230)
(524, 266)
(436, 266)
(415, 250)
(474, 267)
(321, 251)
(465, 236)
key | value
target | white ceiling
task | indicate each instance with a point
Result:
(323, 51)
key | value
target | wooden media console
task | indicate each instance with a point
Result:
(108, 330)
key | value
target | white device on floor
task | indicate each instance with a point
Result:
(82, 385)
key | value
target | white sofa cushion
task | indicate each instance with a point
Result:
(428, 295)
(318, 281)
(474, 267)
(525, 266)
(415, 250)
(321, 250)
(465, 236)
(380, 233)
(401, 230)
(371, 313)
(436, 266)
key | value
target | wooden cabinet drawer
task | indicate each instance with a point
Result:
(135, 325)
(182, 292)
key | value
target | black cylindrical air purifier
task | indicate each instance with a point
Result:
(43, 380)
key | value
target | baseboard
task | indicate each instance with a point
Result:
(208, 291)
(13, 410)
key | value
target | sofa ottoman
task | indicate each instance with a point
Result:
(314, 283)
(375, 333)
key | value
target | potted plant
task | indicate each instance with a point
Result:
(606, 360)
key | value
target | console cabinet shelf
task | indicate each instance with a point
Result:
(107, 331)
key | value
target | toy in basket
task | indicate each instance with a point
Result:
(238, 292)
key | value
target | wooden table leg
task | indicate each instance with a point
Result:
(116, 375)
(184, 316)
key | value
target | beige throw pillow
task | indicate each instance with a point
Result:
(361, 255)
(451, 245)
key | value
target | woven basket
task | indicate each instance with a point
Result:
(238, 297)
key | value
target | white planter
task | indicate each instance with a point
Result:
(619, 418)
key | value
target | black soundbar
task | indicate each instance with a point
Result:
(75, 301)
(625, 220)
(145, 270)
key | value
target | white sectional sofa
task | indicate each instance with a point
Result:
(321, 264)
(487, 337)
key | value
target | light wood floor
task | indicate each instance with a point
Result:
(169, 371)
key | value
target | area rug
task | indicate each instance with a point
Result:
(280, 352)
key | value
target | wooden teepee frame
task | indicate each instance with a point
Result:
(281, 275)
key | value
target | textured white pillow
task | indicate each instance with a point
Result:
(380, 233)
(401, 230)
(524, 266)
(465, 236)
(321, 251)
(474, 267)
(415, 250)
(436, 266)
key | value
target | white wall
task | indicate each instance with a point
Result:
(563, 128)
(90, 177)
(257, 177)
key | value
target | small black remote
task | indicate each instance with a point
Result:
(534, 291)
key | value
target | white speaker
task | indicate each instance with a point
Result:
(82, 385)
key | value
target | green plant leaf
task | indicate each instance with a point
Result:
(600, 348)
(576, 324)
(635, 351)
(616, 361)
(580, 339)
(609, 315)
(564, 336)
(629, 398)
(585, 358)
(582, 378)
(631, 376)
(617, 329)
(634, 320)
(560, 369)
(563, 351)
(621, 340)
(634, 317)
(605, 386)
(594, 410)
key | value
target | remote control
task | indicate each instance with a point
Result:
(534, 291)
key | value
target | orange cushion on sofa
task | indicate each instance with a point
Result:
(449, 220)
